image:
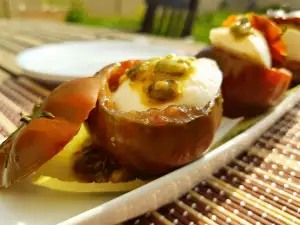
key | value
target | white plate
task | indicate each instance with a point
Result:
(70, 60)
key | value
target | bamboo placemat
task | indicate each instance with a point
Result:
(260, 187)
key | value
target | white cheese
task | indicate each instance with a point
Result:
(198, 89)
(251, 47)
(292, 39)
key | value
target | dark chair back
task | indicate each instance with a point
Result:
(251, 5)
(170, 17)
(223, 5)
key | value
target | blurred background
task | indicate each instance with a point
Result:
(128, 15)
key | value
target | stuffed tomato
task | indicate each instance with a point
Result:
(114, 131)
(160, 114)
(251, 54)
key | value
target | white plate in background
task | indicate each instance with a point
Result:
(69, 60)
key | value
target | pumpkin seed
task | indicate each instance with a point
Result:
(163, 90)
(242, 27)
(173, 67)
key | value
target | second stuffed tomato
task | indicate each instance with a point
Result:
(250, 52)
(157, 115)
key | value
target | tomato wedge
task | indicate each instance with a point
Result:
(42, 138)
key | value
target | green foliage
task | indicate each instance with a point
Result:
(124, 23)
(205, 22)
(76, 13)
(62, 3)
(129, 24)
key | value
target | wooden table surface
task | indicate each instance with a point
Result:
(261, 186)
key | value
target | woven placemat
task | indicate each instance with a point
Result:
(17, 96)
(260, 187)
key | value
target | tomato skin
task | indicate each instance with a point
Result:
(248, 89)
(253, 91)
